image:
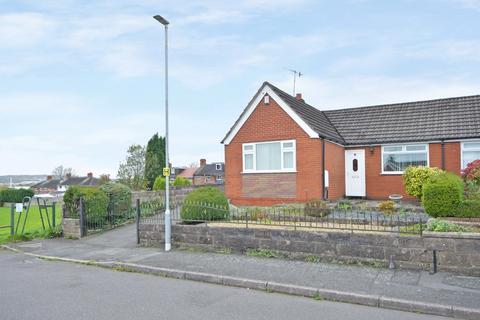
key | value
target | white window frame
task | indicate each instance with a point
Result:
(462, 149)
(218, 166)
(404, 151)
(282, 151)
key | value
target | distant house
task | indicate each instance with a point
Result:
(51, 185)
(188, 173)
(212, 173)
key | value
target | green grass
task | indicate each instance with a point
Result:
(33, 227)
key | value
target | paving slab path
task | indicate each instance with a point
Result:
(444, 291)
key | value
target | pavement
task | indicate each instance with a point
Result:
(32, 288)
(443, 294)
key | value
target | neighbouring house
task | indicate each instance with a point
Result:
(281, 149)
(188, 173)
(55, 185)
(212, 173)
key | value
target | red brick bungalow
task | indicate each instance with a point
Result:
(283, 150)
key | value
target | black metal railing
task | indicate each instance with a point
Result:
(337, 217)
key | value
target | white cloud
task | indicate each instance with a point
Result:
(24, 29)
(354, 91)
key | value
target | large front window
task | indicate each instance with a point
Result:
(470, 152)
(275, 156)
(395, 159)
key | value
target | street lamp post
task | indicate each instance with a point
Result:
(168, 221)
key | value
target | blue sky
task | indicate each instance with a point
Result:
(82, 80)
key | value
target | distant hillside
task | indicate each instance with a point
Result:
(27, 179)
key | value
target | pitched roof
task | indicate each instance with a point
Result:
(80, 181)
(210, 170)
(47, 184)
(72, 181)
(440, 119)
(315, 118)
(187, 172)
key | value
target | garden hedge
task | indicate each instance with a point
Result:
(442, 195)
(159, 183)
(181, 182)
(96, 203)
(120, 197)
(415, 177)
(205, 203)
(15, 195)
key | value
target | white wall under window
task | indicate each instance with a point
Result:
(396, 158)
(271, 156)
(470, 152)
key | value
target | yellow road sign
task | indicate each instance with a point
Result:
(166, 172)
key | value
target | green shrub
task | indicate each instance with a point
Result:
(206, 203)
(159, 183)
(442, 195)
(472, 190)
(415, 177)
(387, 207)
(96, 203)
(120, 197)
(15, 195)
(468, 209)
(181, 182)
(445, 226)
(317, 208)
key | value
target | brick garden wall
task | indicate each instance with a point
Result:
(459, 254)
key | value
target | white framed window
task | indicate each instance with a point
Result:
(396, 158)
(271, 156)
(218, 166)
(470, 152)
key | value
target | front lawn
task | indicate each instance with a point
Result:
(33, 226)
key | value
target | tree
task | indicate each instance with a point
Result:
(154, 159)
(132, 171)
(60, 172)
(104, 178)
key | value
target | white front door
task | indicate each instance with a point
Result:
(355, 173)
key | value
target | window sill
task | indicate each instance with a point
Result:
(391, 173)
(259, 172)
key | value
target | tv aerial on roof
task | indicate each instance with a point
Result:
(295, 75)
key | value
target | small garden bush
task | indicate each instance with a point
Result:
(472, 172)
(445, 226)
(317, 208)
(181, 182)
(387, 207)
(96, 203)
(15, 195)
(159, 183)
(120, 197)
(415, 177)
(206, 203)
(442, 195)
(468, 209)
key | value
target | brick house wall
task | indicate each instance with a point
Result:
(204, 180)
(335, 165)
(270, 123)
(380, 186)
